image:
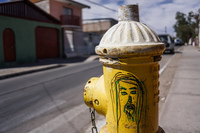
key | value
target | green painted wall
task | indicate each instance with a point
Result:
(24, 31)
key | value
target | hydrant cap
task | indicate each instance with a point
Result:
(129, 38)
(128, 13)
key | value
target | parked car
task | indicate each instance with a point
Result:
(178, 41)
(169, 43)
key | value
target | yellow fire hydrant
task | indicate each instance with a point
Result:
(127, 93)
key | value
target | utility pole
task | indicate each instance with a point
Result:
(199, 28)
(165, 29)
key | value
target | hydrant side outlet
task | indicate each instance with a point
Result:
(89, 91)
(94, 95)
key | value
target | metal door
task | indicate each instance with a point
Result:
(47, 45)
(9, 45)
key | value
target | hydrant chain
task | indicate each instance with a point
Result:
(94, 128)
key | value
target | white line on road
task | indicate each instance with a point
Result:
(163, 68)
(91, 58)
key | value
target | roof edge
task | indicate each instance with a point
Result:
(55, 21)
(42, 11)
(74, 2)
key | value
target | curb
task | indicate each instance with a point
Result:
(60, 64)
(29, 71)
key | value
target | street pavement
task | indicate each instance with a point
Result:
(180, 112)
(49, 101)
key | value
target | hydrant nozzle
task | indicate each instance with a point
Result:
(127, 93)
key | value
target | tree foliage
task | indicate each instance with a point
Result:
(186, 24)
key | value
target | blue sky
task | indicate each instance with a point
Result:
(1, 1)
(157, 14)
(165, 2)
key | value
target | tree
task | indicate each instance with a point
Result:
(186, 24)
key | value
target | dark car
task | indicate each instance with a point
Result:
(169, 43)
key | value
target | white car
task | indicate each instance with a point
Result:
(178, 41)
(169, 43)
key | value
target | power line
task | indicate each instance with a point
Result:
(117, 11)
(102, 6)
(152, 26)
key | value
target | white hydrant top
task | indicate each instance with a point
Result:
(129, 38)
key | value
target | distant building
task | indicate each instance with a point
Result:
(94, 29)
(69, 13)
(98, 25)
(28, 34)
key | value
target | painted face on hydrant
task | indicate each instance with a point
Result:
(128, 91)
(129, 94)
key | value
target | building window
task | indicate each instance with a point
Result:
(67, 11)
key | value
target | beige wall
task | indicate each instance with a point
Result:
(99, 26)
(43, 5)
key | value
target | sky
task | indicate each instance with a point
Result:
(2, 1)
(159, 15)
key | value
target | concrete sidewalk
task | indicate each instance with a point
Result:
(42, 65)
(181, 111)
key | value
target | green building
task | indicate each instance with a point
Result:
(27, 34)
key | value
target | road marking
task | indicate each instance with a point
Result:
(91, 58)
(163, 68)
(60, 120)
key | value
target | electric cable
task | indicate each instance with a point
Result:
(117, 11)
